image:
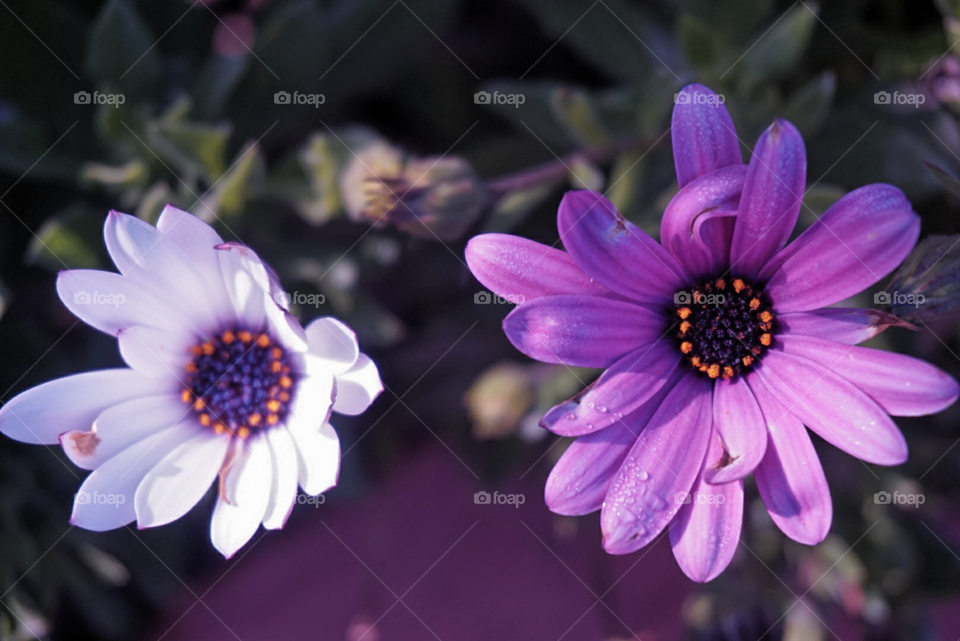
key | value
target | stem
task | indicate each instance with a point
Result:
(555, 170)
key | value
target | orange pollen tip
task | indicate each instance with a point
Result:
(245, 336)
(273, 405)
(263, 341)
(254, 419)
(276, 366)
(728, 372)
(765, 340)
(219, 428)
(754, 304)
(228, 337)
(199, 404)
(186, 396)
(207, 348)
(197, 351)
(685, 327)
(713, 371)
(191, 367)
(766, 317)
(272, 419)
(747, 360)
(738, 285)
(205, 420)
(284, 397)
(684, 313)
(696, 361)
(721, 284)
(276, 352)
(243, 432)
(686, 347)
(703, 368)
(286, 381)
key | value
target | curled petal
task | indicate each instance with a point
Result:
(741, 428)
(702, 132)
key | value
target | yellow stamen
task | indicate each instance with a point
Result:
(263, 341)
(684, 313)
(765, 340)
(713, 371)
(228, 337)
(685, 327)
(738, 285)
(686, 347)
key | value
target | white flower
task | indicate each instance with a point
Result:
(222, 382)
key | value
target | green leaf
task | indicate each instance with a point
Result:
(809, 106)
(778, 51)
(193, 149)
(698, 41)
(244, 180)
(585, 175)
(626, 181)
(69, 240)
(320, 164)
(574, 111)
(121, 55)
(950, 183)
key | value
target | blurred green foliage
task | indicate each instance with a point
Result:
(200, 127)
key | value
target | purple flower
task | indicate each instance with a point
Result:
(718, 343)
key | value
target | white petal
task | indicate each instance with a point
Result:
(105, 501)
(120, 426)
(283, 491)
(246, 295)
(111, 302)
(312, 401)
(41, 414)
(247, 488)
(357, 387)
(157, 352)
(144, 254)
(197, 240)
(181, 479)
(318, 457)
(333, 342)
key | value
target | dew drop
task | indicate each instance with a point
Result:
(642, 475)
(602, 409)
(571, 416)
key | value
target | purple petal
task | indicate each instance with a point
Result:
(706, 533)
(586, 331)
(741, 427)
(790, 477)
(661, 468)
(856, 242)
(901, 385)
(703, 136)
(579, 481)
(624, 387)
(843, 325)
(772, 197)
(614, 251)
(834, 408)
(520, 269)
(698, 223)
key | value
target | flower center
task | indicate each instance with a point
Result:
(239, 382)
(725, 327)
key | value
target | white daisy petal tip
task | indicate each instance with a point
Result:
(358, 387)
